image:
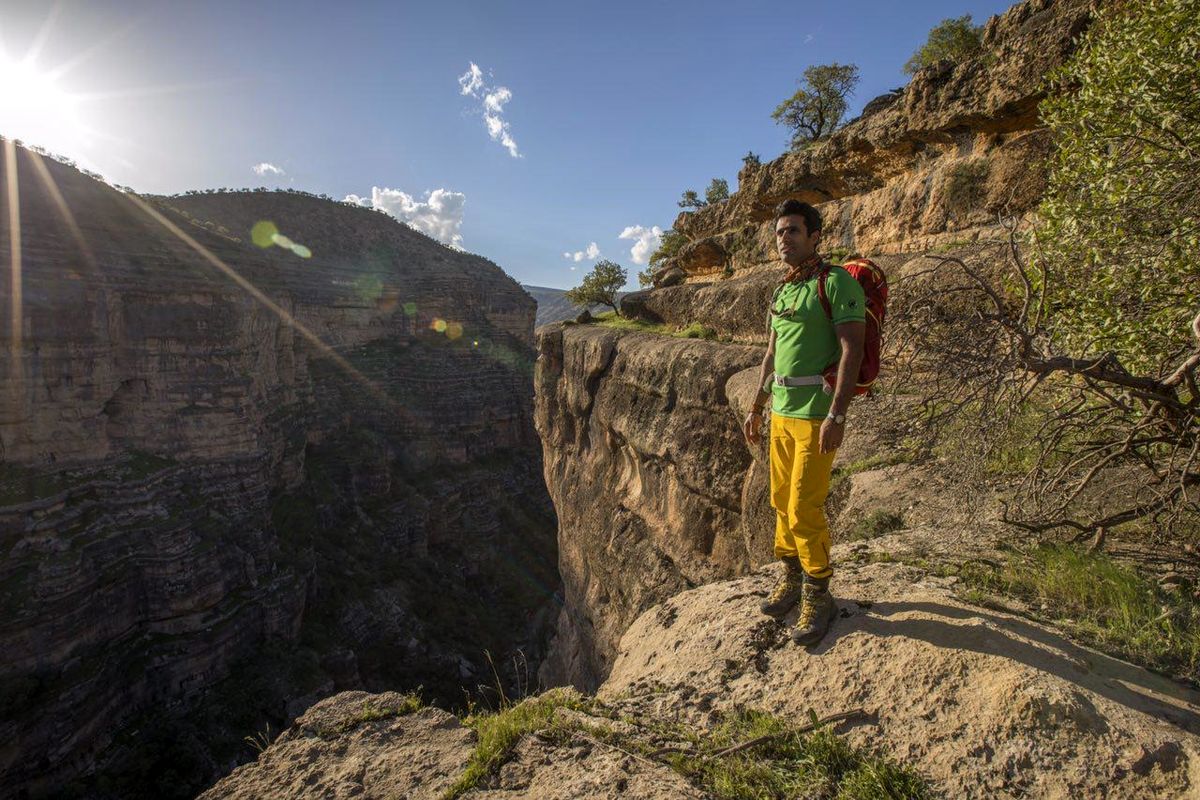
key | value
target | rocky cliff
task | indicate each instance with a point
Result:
(972, 702)
(931, 163)
(611, 409)
(234, 476)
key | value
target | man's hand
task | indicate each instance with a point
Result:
(831, 435)
(752, 427)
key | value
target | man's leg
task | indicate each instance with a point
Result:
(809, 484)
(787, 591)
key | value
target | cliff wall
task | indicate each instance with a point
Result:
(190, 483)
(932, 164)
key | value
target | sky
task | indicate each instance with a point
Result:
(541, 135)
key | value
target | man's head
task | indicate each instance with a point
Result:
(797, 231)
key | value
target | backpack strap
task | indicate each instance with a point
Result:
(823, 294)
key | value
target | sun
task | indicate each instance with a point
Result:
(34, 108)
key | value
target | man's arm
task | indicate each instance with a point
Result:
(850, 336)
(752, 427)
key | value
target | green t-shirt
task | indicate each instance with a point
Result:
(805, 342)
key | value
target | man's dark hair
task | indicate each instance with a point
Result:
(812, 217)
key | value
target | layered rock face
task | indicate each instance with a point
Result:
(926, 165)
(646, 465)
(209, 446)
(929, 164)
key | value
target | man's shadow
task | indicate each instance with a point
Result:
(1109, 677)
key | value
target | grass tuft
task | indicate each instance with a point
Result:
(1100, 601)
(791, 764)
(500, 731)
(694, 330)
(877, 523)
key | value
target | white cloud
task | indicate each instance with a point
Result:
(591, 252)
(645, 242)
(440, 214)
(267, 168)
(808, 39)
(493, 101)
(471, 81)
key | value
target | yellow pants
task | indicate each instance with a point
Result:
(799, 484)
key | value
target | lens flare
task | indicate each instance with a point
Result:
(266, 234)
(439, 325)
(263, 233)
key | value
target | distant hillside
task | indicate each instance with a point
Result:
(553, 306)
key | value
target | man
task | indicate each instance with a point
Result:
(807, 423)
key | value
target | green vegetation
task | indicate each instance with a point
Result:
(1121, 217)
(954, 40)
(782, 761)
(600, 286)
(751, 159)
(817, 107)
(693, 330)
(500, 731)
(1099, 601)
(691, 200)
(717, 191)
(790, 763)
(877, 523)
(670, 244)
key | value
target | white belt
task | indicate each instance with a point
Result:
(799, 380)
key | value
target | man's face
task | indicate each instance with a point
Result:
(793, 240)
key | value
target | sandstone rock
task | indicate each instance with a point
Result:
(343, 748)
(872, 179)
(983, 703)
(646, 507)
(187, 478)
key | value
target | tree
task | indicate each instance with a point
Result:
(717, 191)
(691, 200)
(817, 107)
(668, 245)
(600, 286)
(1120, 236)
(1082, 346)
(751, 159)
(952, 40)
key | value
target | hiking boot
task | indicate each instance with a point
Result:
(787, 592)
(816, 612)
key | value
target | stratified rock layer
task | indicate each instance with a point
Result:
(645, 463)
(932, 163)
(209, 446)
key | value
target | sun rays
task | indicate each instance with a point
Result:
(16, 313)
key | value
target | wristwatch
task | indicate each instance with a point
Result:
(839, 419)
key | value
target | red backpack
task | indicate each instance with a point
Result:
(874, 284)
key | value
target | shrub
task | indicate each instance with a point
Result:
(717, 191)
(1121, 217)
(953, 40)
(670, 244)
